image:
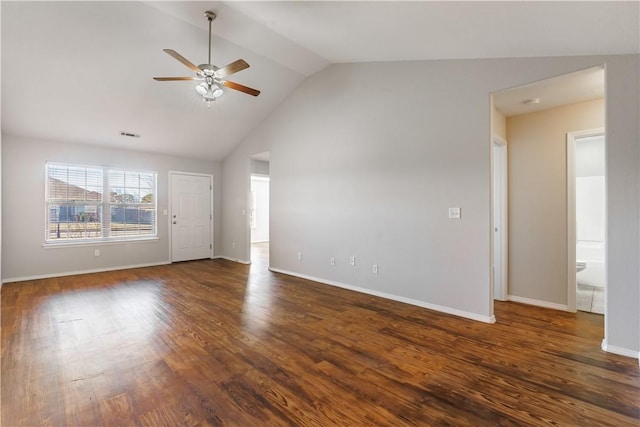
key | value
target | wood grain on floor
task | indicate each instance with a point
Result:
(214, 342)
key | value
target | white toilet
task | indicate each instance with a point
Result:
(580, 265)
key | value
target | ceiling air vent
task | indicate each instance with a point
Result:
(129, 134)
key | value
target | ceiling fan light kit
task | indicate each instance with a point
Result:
(209, 91)
(210, 76)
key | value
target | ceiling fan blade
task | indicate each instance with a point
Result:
(241, 88)
(182, 59)
(234, 67)
(170, 79)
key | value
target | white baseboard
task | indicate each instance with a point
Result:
(241, 261)
(539, 303)
(435, 307)
(75, 273)
(620, 350)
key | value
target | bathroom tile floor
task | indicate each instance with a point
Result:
(590, 298)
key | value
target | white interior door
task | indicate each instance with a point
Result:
(499, 221)
(191, 217)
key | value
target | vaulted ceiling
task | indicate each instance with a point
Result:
(82, 71)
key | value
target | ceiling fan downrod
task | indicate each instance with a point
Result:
(210, 17)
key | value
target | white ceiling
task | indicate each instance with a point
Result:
(580, 86)
(355, 31)
(82, 71)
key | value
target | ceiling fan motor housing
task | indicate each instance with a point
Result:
(208, 69)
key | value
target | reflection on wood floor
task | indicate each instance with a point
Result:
(260, 255)
(219, 343)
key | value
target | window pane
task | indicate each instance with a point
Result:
(74, 194)
(147, 198)
(94, 186)
(71, 221)
(132, 180)
(69, 183)
(131, 187)
(116, 186)
(127, 220)
(132, 203)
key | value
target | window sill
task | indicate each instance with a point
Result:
(67, 244)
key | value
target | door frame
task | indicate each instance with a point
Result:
(571, 214)
(170, 207)
(499, 165)
(263, 156)
(258, 177)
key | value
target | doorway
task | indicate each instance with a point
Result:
(536, 118)
(191, 216)
(259, 197)
(586, 220)
(500, 249)
(259, 209)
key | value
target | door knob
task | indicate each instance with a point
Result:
(175, 222)
(174, 216)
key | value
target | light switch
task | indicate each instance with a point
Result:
(455, 213)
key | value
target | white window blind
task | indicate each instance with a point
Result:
(88, 203)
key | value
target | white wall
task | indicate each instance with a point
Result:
(367, 166)
(499, 122)
(23, 195)
(0, 211)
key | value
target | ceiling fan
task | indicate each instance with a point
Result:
(212, 77)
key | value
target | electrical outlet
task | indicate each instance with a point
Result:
(96, 252)
(352, 260)
(375, 269)
(332, 261)
(299, 256)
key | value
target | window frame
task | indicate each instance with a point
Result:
(104, 206)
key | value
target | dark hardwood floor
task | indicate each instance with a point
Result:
(212, 342)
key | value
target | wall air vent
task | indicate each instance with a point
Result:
(129, 134)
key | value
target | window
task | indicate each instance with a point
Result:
(89, 203)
